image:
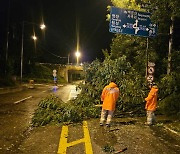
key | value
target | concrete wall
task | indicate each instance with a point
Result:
(64, 71)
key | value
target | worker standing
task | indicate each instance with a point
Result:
(109, 97)
(151, 103)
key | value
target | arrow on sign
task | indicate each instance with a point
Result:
(135, 26)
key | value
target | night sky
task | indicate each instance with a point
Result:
(64, 19)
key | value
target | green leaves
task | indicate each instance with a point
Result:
(53, 110)
(108, 148)
(128, 4)
(98, 74)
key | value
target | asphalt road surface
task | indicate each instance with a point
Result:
(17, 137)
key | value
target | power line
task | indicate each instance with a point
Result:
(52, 53)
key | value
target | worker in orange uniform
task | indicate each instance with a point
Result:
(109, 97)
(151, 103)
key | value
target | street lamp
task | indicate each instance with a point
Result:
(78, 54)
(34, 37)
(42, 27)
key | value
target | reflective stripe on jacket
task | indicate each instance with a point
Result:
(151, 100)
(109, 96)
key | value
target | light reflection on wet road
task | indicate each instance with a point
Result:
(16, 111)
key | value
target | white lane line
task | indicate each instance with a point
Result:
(22, 100)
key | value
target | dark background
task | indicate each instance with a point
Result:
(63, 19)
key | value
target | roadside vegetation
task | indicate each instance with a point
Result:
(126, 62)
(133, 89)
(40, 73)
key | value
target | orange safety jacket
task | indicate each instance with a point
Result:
(109, 96)
(151, 100)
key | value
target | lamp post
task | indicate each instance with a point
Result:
(22, 48)
(68, 58)
(78, 54)
(42, 27)
(34, 37)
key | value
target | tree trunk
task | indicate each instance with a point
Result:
(170, 45)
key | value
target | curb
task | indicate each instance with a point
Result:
(171, 130)
(11, 89)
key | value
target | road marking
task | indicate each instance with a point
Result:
(22, 100)
(63, 144)
(87, 139)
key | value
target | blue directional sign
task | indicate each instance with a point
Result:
(131, 22)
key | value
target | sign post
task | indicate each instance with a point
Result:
(150, 76)
(55, 76)
(54, 73)
(135, 23)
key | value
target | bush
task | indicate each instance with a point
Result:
(169, 94)
(41, 74)
(131, 85)
(7, 82)
(170, 105)
(53, 109)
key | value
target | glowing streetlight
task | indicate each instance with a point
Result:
(34, 37)
(42, 27)
(78, 54)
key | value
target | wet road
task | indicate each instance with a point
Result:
(18, 137)
(16, 110)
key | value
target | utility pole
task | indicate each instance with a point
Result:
(22, 49)
(68, 59)
(42, 26)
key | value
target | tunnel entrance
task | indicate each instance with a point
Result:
(75, 75)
